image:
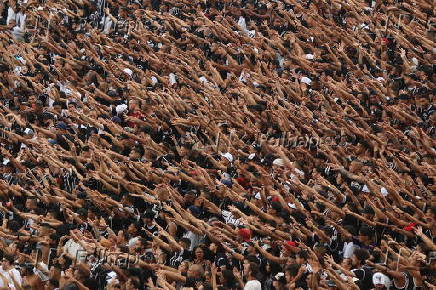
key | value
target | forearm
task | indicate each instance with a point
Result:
(174, 276)
(427, 241)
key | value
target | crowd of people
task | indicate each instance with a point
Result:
(217, 144)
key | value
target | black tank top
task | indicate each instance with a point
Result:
(409, 283)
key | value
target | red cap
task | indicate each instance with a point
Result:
(275, 198)
(409, 227)
(245, 234)
(290, 244)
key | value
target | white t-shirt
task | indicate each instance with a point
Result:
(253, 285)
(194, 238)
(132, 241)
(74, 249)
(349, 250)
(107, 24)
(8, 275)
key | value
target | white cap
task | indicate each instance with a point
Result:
(415, 61)
(28, 131)
(278, 162)
(365, 188)
(383, 191)
(228, 156)
(128, 71)
(226, 175)
(6, 161)
(381, 279)
(17, 70)
(292, 205)
(111, 276)
(251, 156)
(154, 80)
(172, 79)
(253, 285)
(257, 195)
(121, 108)
(306, 80)
(203, 80)
(309, 56)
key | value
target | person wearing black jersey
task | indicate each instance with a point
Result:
(149, 224)
(177, 255)
(361, 270)
(401, 279)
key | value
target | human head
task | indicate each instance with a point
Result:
(291, 271)
(195, 271)
(359, 257)
(148, 217)
(7, 262)
(137, 152)
(185, 243)
(365, 234)
(302, 257)
(199, 252)
(279, 281)
(253, 271)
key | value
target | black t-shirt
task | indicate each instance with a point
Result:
(155, 4)
(153, 230)
(364, 274)
(191, 282)
(409, 283)
(174, 259)
(90, 283)
(220, 259)
(60, 139)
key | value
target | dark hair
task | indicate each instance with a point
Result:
(361, 254)
(135, 281)
(252, 259)
(137, 224)
(68, 262)
(229, 278)
(9, 258)
(58, 103)
(143, 242)
(14, 225)
(54, 283)
(71, 286)
(303, 255)
(200, 247)
(365, 231)
(254, 269)
(293, 269)
(186, 241)
(139, 149)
